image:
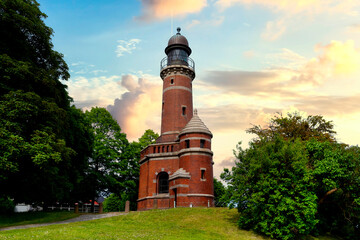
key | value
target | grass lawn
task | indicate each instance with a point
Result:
(34, 217)
(179, 223)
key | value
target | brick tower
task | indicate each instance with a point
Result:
(178, 169)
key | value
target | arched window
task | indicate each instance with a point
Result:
(163, 186)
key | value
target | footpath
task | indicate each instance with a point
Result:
(81, 218)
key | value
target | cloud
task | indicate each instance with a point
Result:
(193, 23)
(227, 162)
(233, 117)
(343, 57)
(274, 29)
(330, 105)
(298, 6)
(214, 22)
(139, 108)
(354, 28)
(161, 9)
(95, 91)
(126, 46)
(257, 83)
(249, 54)
(82, 68)
(291, 75)
(292, 12)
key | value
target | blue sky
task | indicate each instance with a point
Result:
(253, 58)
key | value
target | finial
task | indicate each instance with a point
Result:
(178, 31)
(195, 111)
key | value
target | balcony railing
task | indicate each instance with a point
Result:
(177, 60)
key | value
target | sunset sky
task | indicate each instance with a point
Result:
(253, 58)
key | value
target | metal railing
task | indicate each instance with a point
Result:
(177, 60)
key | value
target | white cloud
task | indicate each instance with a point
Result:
(96, 91)
(213, 22)
(274, 29)
(193, 23)
(126, 46)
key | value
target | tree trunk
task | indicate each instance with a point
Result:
(326, 195)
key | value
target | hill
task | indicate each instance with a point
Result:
(179, 223)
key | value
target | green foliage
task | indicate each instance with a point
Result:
(6, 205)
(294, 126)
(274, 189)
(114, 164)
(44, 143)
(219, 192)
(147, 138)
(336, 170)
(116, 203)
(112, 203)
(294, 180)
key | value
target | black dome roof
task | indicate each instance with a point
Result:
(178, 41)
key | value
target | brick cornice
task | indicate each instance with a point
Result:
(177, 70)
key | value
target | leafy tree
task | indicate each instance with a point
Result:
(44, 142)
(219, 191)
(147, 138)
(294, 126)
(113, 164)
(336, 173)
(294, 182)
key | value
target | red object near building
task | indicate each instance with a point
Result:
(177, 170)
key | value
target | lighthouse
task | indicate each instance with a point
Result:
(177, 170)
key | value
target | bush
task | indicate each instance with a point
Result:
(6, 205)
(113, 203)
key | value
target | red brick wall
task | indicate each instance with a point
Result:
(172, 118)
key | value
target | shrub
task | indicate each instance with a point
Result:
(6, 205)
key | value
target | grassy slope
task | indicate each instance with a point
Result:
(34, 217)
(180, 223)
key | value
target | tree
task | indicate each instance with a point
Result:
(293, 181)
(44, 142)
(219, 191)
(147, 138)
(113, 164)
(294, 126)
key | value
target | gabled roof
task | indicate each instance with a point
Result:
(195, 125)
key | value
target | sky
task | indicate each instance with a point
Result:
(253, 59)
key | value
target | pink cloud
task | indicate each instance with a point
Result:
(161, 9)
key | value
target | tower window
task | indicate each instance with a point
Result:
(183, 111)
(163, 186)
(167, 148)
(158, 149)
(187, 143)
(172, 81)
(202, 173)
(163, 149)
(154, 149)
(202, 143)
(172, 148)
